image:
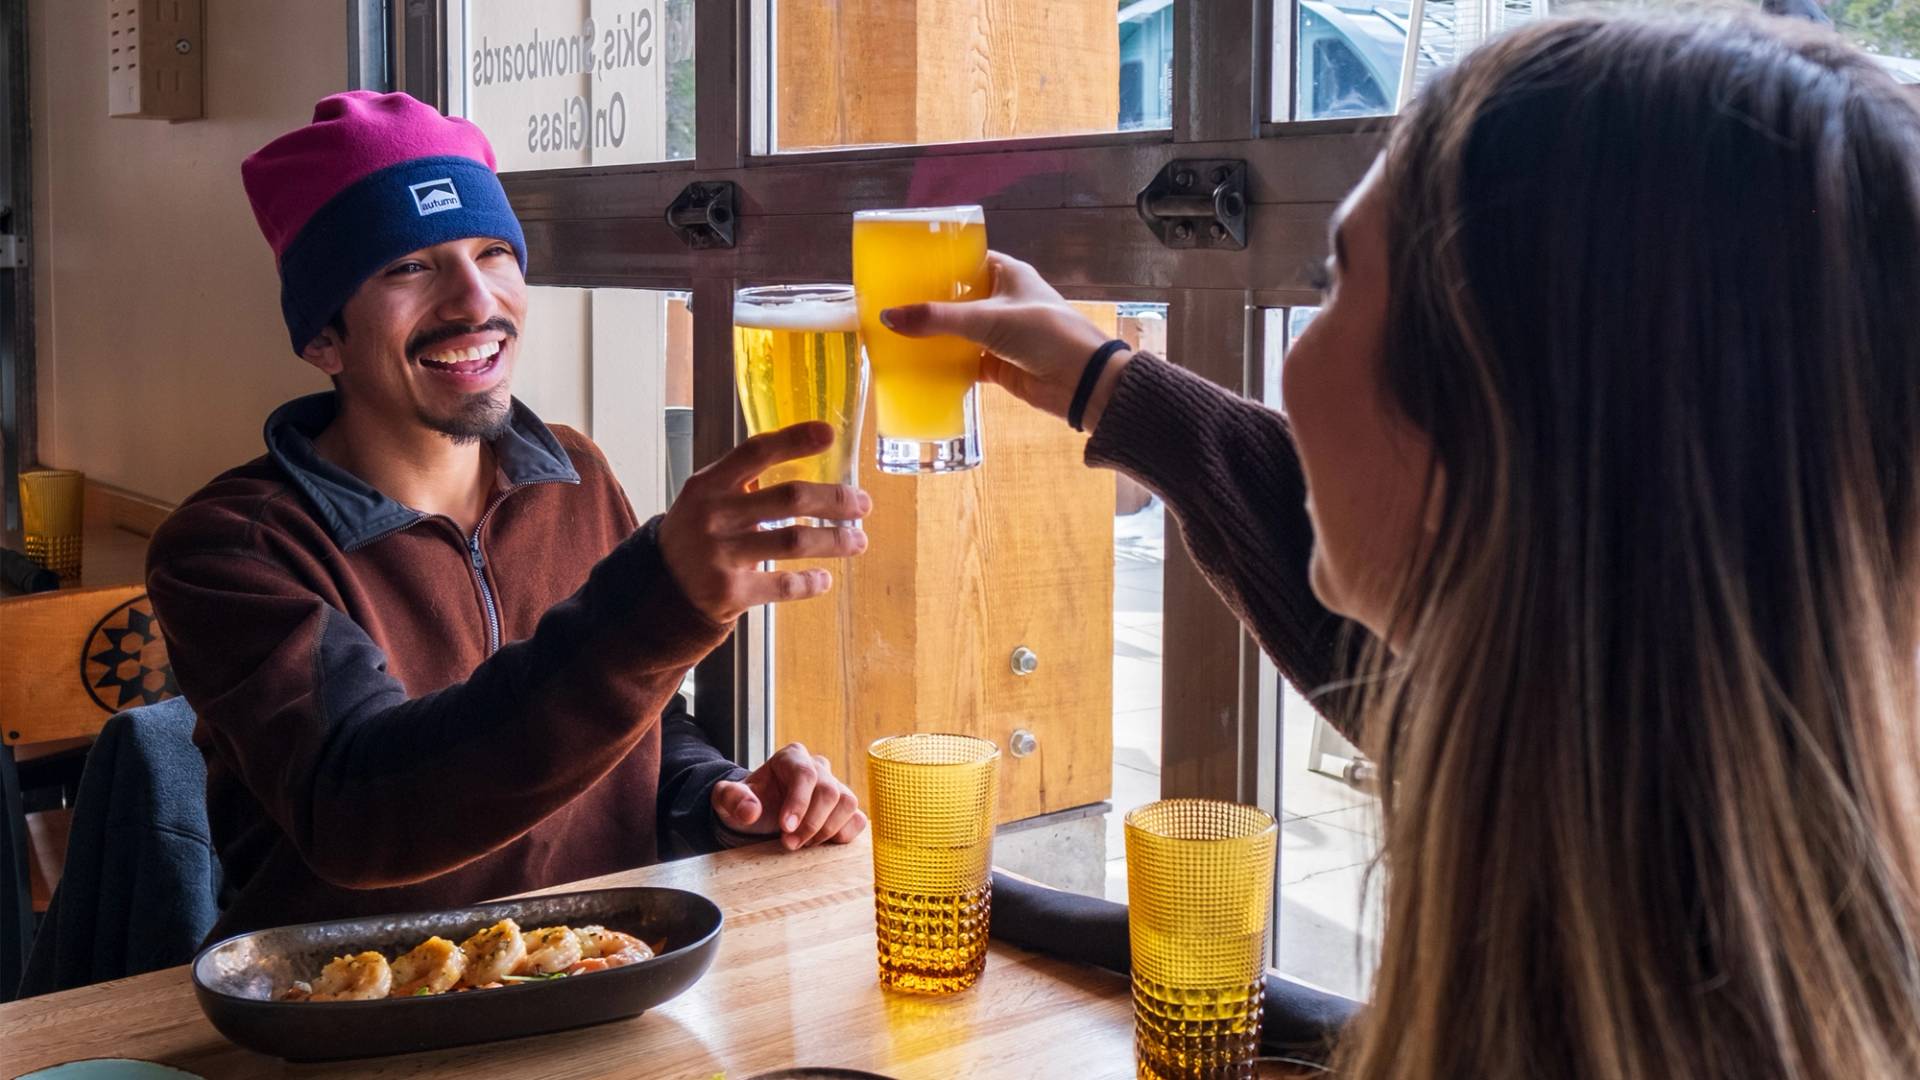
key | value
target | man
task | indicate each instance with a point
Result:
(433, 654)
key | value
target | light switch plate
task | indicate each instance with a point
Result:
(155, 59)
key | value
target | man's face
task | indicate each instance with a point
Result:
(431, 339)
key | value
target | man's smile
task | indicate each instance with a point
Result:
(471, 360)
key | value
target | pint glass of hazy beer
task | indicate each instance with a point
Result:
(925, 400)
(796, 357)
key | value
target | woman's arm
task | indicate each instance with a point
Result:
(1227, 468)
(1225, 465)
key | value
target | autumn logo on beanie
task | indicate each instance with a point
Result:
(373, 177)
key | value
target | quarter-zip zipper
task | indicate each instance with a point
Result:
(479, 562)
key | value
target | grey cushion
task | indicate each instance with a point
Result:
(141, 885)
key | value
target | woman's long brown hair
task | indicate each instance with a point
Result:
(1650, 749)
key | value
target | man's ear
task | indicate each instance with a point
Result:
(324, 352)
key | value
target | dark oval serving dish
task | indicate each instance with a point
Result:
(237, 979)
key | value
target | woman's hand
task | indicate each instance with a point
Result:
(1037, 344)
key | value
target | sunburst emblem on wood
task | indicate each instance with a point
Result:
(125, 660)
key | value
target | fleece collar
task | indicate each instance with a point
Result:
(354, 511)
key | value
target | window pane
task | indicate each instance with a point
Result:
(1346, 57)
(1350, 60)
(1139, 616)
(1019, 601)
(1328, 831)
(557, 83)
(1349, 55)
(900, 71)
(1890, 31)
(596, 359)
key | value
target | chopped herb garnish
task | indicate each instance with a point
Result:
(422, 992)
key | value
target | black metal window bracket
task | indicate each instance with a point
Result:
(1198, 203)
(703, 215)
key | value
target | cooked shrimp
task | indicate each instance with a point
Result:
(433, 967)
(493, 952)
(601, 963)
(603, 948)
(549, 949)
(597, 941)
(354, 978)
(624, 957)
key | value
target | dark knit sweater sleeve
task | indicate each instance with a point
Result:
(1227, 469)
(690, 767)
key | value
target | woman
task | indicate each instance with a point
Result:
(1611, 422)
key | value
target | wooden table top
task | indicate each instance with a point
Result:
(109, 555)
(794, 984)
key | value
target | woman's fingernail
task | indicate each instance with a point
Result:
(886, 318)
(859, 541)
(793, 822)
(865, 502)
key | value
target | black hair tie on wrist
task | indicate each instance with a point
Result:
(1097, 363)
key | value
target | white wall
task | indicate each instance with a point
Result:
(160, 344)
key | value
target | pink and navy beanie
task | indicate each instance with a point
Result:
(373, 177)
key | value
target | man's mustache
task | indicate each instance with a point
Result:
(427, 339)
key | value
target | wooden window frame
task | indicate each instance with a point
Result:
(19, 421)
(418, 49)
(370, 31)
(1073, 216)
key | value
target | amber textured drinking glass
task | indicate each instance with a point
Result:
(50, 516)
(1199, 892)
(933, 800)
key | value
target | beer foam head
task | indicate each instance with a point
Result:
(932, 215)
(822, 316)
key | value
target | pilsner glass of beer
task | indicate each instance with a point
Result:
(796, 357)
(926, 400)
